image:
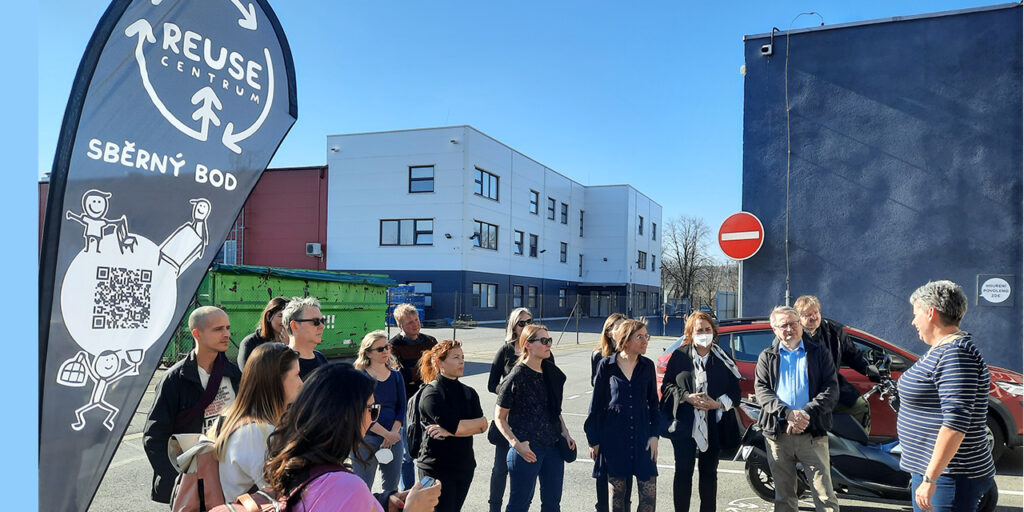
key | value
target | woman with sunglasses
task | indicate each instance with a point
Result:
(305, 326)
(269, 328)
(451, 414)
(385, 434)
(624, 421)
(529, 416)
(318, 432)
(269, 383)
(605, 348)
(506, 357)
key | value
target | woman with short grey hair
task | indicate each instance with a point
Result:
(943, 405)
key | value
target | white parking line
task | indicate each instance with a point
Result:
(672, 467)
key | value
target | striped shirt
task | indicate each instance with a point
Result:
(948, 387)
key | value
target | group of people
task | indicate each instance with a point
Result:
(289, 420)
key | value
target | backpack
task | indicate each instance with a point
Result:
(264, 500)
(197, 488)
(414, 427)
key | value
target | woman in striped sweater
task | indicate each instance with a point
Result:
(943, 404)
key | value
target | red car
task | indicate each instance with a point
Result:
(745, 338)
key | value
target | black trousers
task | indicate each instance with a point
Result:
(454, 488)
(685, 450)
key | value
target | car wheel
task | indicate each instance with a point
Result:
(989, 499)
(995, 437)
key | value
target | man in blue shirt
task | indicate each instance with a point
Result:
(796, 385)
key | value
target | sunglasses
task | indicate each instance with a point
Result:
(524, 323)
(542, 341)
(316, 321)
(381, 349)
(374, 409)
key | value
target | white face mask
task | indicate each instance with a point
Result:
(703, 340)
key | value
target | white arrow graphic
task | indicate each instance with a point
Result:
(248, 17)
(209, 101)
(144, 30)
(231, 139)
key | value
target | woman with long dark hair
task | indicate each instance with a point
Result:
(452, 415)
(322, 427)
(269, 384)
(698, 392)
(529, 416)
(269, 328)
(385, 434)
(506, 358)
(624, 421)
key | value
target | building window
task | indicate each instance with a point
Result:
(531, 298)
(517, 296)
(581, 266)
(642, 301)
(641, 224)
(426, 288)
(641, 260)
(561, 297)
(486, 184)
(534, 202)
(421, 178)
(551, 208)
(654, 231)
(533, 245)
(565, 214)
(563, 253)
(407, 232)
(581, 223)
(652, 262)
(517, 243)
(485, 295)
(485, 236)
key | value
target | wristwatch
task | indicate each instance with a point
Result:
(926, 479)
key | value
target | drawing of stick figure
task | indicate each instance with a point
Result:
(188, 242)
(94, 211)
(105, 369)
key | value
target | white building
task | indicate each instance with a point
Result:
(483, 228)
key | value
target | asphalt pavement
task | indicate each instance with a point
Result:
(126, 484)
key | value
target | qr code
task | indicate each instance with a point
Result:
(122, 298)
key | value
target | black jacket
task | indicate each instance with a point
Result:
(823, 389)
(178, 390)
(832, 335)
(678, 383)
(504, 360)
(249, 343)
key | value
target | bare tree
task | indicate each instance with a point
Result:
(683, 254)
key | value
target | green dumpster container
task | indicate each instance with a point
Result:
(354, 304)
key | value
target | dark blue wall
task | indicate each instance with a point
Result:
(906, 167)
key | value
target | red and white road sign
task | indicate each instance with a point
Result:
(741, 236)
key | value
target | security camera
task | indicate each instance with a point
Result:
(766, 50)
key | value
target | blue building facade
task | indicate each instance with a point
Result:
(905, 167)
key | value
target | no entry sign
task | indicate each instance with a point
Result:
(741, 236)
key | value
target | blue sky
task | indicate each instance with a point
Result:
(645, 93)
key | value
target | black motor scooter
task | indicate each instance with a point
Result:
(860, 469)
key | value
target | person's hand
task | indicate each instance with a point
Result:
(652, 446)
(797, 420)
(572, 442)
(422, 499)
(390, 438)
(698, 400)
(594, 451)
(923, 495)
(437, 432)
(524, 451)
(871, 372)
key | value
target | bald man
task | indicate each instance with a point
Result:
(191, 394)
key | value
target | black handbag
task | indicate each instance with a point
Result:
(568, 454)
(494, 435)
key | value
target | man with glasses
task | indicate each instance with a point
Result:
(407, 347)
(832, 335)
(795, 383)
(304, 325)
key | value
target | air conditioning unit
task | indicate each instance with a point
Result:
(314, 249)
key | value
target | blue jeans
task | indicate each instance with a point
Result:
(953, 493)
(523, 476)
(408, 468)
(499, 475)
(389, 472)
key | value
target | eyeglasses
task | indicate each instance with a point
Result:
(542, 341)
(316, 321)
(524, 323)
(374, 409)
(787, 325)
(381, 349)
(644, 337)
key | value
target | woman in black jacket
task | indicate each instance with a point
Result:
(699, 391)
(269, 328)
(605, 348)
(506, 358)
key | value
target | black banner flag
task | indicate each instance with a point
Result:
(177, 107)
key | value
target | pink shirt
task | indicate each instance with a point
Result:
(338, 491)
